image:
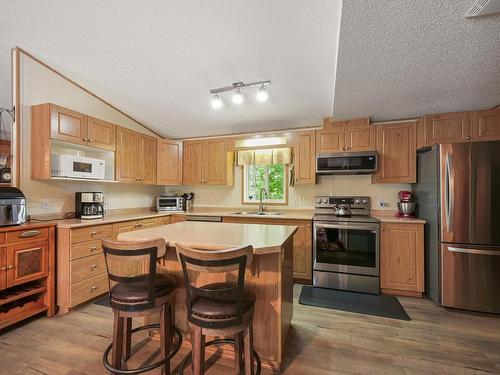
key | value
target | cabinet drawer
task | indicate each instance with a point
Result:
(146, 223)
(164, 220)
(84, 268)
(87, 289)
(90, 233)
(86, 249)
(27, 235)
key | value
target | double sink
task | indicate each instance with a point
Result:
(262, 213)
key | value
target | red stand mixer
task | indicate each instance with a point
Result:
(406, 205)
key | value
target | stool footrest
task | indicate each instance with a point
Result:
(175, 348)
(183, 364)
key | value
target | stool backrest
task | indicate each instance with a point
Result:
(215, 260)
(131, 264)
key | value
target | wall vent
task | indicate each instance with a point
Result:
(484, 8)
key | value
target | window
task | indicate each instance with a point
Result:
(271, 177)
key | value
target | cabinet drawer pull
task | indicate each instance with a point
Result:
(93, 288)
(93, 267)
(93, 233)
(93, 248)
(29, 233)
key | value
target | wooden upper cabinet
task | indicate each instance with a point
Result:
(402, 258)
(359, 135)
(331, 137)
(206, 162)
(101, 134)
(346, 136)
(135, 157)
(127, 155)
(305, 157)
(396, 147)
(421, 135)
(192, 163)
(448, 128)
(147, 159)
(215, 161)
(169, 162)
(486, 125)
(67, 125)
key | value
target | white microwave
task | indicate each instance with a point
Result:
(77, 167)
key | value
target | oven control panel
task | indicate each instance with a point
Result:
(358, 202)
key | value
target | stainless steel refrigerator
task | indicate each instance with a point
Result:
(458, 193)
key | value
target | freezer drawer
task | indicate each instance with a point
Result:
(470, 276)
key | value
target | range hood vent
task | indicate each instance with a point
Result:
(484, 8)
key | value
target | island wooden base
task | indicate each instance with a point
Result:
(270, 278)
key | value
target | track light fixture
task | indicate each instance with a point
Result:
(238, 98)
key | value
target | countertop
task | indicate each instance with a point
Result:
(265, 239)
(384, 216)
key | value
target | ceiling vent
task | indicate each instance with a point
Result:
(484, 8)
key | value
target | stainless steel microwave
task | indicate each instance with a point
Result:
(347, 163)
(169, 203)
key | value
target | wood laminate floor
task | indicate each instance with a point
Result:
(436, 341)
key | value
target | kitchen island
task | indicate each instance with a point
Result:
(269, 275)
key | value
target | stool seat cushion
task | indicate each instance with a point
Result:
(222, 306)
(134, 292)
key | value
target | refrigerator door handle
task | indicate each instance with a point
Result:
(473, 251)
(448, 204)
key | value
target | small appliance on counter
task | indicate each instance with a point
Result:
(167, 202)
(75, 166)
(12, 206)
(89, 205)
(406, 205)
(188, 201)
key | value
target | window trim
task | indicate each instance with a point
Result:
(266, 202)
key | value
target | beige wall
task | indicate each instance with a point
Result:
(40, 85)
(301, 196)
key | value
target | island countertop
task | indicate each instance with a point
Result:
(265, 239)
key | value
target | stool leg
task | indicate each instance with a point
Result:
(117, 353)
(128, 338)
(198, 351)
(248, 347)
(238, 351)
(165, 335)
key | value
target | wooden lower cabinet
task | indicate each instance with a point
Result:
(302, 243)
(82, 274)
(402, 259)
(177, 218)
(27, 272)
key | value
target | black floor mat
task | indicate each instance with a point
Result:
(104, 301)
(385, 306)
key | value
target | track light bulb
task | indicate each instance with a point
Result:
(237, 97)
(216, 101)
(262, 94)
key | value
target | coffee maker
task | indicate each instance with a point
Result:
(406, 205)
(89, 205)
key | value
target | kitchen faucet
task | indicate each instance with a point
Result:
(261, 205)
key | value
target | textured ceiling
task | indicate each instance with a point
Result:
(157, 60)
(406, 58)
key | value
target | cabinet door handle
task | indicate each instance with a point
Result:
(91, 140)
(12, 266)
(382, 229)
(468, 137)
(93, 288)
(342, 148)
(379, 178)
(3, 268)
(29, 233)
(93, 248)
(85, 139)
(347, 148)
(93, 233)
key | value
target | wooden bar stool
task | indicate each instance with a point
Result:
(219, 308)
(136, 290)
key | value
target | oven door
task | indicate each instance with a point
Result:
(346, 247)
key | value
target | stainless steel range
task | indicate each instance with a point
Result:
(346, 244)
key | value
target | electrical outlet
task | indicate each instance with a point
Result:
(383, 204)
(45, 204)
